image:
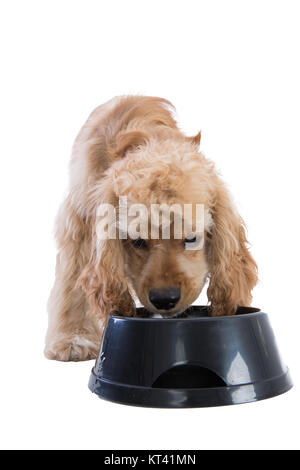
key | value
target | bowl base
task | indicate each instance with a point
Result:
(189, 397)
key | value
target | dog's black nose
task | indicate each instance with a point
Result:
(164, 299)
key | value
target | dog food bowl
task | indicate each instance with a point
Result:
(193, 361)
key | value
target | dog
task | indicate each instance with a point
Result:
(132, 147)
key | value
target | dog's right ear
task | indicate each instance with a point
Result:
(103, 280)
(128, 141)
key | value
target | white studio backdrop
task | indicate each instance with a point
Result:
(231, 69)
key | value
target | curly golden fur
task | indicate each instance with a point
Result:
(132, 146)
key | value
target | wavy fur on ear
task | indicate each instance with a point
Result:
(233, 271)
(103, 280)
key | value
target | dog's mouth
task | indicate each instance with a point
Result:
(176, 314)
(164, 313)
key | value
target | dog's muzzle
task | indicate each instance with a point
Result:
(164, 299)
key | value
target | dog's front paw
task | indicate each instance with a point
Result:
(72, 348)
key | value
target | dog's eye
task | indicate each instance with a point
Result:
(191, 242)
(139, 243)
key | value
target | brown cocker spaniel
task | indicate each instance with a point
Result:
(131, 146)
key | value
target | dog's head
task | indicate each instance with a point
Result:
(164, 266)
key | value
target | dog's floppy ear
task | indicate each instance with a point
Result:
(103, 280)
(233, 271)
(129, 140)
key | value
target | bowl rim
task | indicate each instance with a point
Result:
(255, 312)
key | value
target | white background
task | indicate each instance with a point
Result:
(232, 69)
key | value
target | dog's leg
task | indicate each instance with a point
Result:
(73, 333)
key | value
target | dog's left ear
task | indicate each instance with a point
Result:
(195, 139)
(233, 271)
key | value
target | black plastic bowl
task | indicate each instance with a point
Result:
(189, 362)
